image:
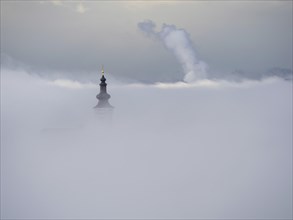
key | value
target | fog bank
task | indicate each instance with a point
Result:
(214, 149)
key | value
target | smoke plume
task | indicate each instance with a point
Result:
(178, 42)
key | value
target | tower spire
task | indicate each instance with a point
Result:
(103, 96)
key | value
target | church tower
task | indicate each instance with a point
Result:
(103, 96)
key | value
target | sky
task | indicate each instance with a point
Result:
(236, 39)
(202, 121)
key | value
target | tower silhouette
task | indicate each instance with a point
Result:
(103, 96)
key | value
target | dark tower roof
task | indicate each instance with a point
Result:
(103, 96)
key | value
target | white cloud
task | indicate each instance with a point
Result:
(65, 83)
(57, 2)
(209, 84)
(80, 8)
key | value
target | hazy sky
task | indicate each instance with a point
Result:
(208, 148)
(74, 38)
